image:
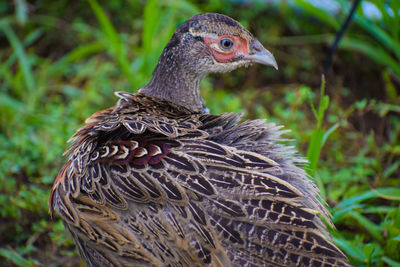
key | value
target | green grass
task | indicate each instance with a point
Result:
(60, 62)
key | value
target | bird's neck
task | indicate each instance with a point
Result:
(177, 84)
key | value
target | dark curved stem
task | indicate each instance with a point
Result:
(339, 35)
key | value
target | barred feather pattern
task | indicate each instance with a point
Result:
(148, 183)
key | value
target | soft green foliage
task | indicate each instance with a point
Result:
(60, 61)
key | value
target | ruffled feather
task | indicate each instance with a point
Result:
(149, 183)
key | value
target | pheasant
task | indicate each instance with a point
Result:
(157, 181)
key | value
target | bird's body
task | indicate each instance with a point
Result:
(155, 181)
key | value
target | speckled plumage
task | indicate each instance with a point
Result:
(154, 181)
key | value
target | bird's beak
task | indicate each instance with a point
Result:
(258, 54)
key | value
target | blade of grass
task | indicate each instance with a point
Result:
(372, 228)
(379, 55)
(21, 11)
(314, 149)
(31, 38)
(319, 135)
(112, 40)
(23, 62)
(9, 104)
(390, 193)
(368, 250)
(184, 6)
(338, 215)
(17, 259)
(151, 13)
(349, 249)
(329, 132)
(319, 13)
(79, 53)
(378, 33)
(391, 262)
(391, 169)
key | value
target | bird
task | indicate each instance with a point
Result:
(156, 180)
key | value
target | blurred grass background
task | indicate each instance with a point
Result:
(60, 61)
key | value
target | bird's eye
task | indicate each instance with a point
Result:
(225, 43)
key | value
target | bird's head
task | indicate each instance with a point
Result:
(206, 43)
(212, 42)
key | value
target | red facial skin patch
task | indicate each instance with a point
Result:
(240, 47)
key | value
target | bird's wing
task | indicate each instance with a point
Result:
(185, 190)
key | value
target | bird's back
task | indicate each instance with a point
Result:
(149, 183)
